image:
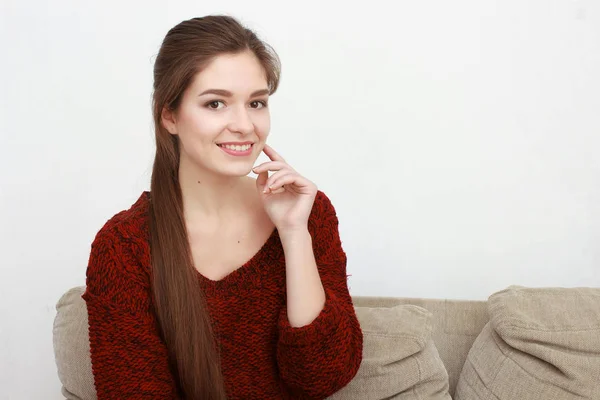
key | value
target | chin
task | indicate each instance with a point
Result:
(239, 171)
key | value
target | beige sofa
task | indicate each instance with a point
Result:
(521, 344)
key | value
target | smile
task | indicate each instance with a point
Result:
(236, 149)
(244, 147)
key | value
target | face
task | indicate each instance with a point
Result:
(223, 120)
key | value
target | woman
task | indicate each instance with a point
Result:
(216, 285)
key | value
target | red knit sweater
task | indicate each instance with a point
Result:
(262, 356)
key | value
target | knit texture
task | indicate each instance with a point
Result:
(262, 355)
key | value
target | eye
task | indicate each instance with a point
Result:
(214, 105)
(258, 104)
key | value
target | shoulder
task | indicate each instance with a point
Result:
(125, 235)
(129, 224)
(120, 257)
(323, 213)
(323, 226)
(322, 205)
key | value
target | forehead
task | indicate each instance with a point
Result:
(234, 72)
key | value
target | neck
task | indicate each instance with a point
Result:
(207, 195)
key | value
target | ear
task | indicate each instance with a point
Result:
(168, 120)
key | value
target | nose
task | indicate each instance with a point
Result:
(241, 122)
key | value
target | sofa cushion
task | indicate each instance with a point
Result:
(400, 360)
(455, 326)
(539, 344)
(72, 347)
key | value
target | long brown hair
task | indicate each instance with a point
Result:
(180, 305)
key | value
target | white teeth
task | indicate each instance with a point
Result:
(237, 148)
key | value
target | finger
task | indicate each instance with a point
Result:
(272, 154)
(287, 180)
(262, 180)
(277, 191)
(267, 187)
(278, 175)
(270, 166)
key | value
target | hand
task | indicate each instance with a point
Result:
(287, 196)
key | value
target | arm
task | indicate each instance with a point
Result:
(129, 360)
(304, 289)
(320, 343)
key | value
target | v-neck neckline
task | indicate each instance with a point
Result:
(246, 270)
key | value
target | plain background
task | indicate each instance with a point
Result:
(458, 141)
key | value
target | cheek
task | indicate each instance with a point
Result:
(263, 125)
(203, 127)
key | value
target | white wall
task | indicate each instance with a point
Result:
(458, 141)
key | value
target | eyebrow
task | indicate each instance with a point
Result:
(227, 93)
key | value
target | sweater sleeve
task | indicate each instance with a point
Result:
(318, 359)
(129, 359)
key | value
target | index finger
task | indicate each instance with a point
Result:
(272, 154)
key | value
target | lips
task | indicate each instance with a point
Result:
(236, 146)
(237, 149)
